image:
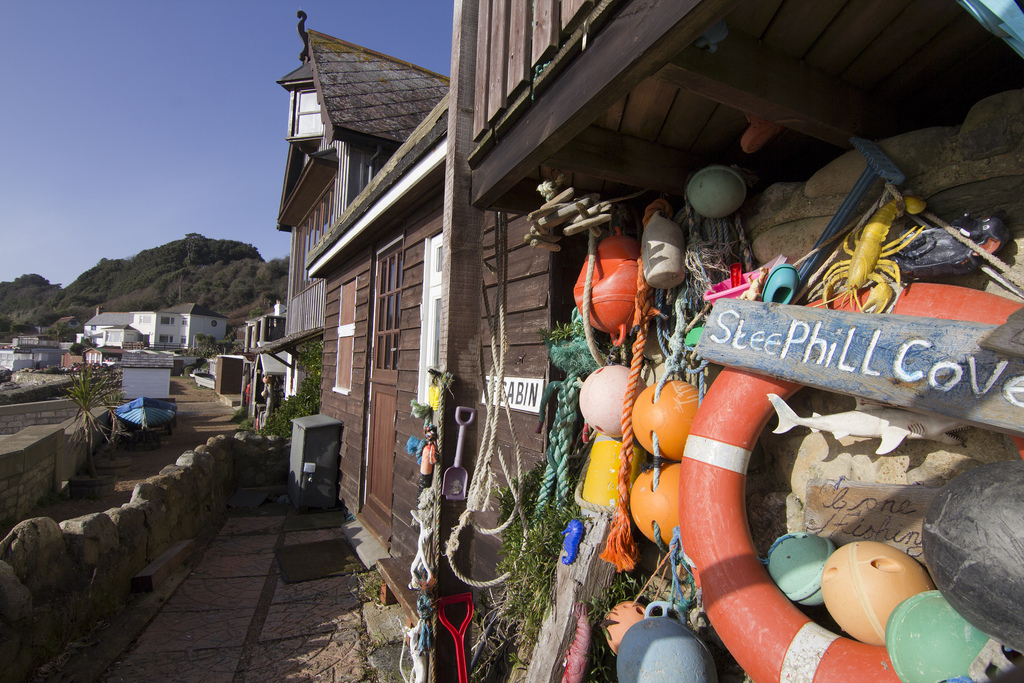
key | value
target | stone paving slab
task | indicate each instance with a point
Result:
(248, 525)
(221, 566)
(311, 535)
(242, 545)
(326, 658)
(342, 591)
(209, 666)
(189, 631)
(292, 619)
(205, 594)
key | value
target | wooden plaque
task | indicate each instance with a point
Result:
(848, 511)
(927, 365)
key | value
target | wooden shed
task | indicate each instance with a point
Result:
(146, 374)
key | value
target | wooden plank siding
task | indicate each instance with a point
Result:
(348, 408)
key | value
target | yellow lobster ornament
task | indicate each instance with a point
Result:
(868, 262)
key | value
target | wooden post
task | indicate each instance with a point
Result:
(578, 582)
(461, 310)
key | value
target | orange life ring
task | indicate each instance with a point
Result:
(769, 637)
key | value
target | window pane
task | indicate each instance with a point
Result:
(307, 102)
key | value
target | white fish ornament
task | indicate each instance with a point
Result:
(893, 425)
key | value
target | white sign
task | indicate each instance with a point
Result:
(521, 393)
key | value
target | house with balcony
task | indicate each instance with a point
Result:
(350, 108)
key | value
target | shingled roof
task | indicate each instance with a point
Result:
(371, 93)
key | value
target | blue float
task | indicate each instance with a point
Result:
(661, 649)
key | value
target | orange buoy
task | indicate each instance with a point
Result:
(614, 286)
(661, 506)
(618, 621)
(670, 418)
(862, 584)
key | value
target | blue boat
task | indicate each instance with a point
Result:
(147, 412)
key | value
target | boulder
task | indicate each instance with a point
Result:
(36, 552)
(15, 597)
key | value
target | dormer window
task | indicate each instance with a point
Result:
(305, 115)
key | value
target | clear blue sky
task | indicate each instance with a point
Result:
(127, 124)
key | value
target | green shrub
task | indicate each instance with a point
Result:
(306, 401)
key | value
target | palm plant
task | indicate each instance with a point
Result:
(90, 390)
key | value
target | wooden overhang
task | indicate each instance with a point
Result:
(314, 180)
(628, 99)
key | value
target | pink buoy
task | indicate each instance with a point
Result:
(602, 396)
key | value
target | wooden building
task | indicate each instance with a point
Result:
(620, 97)
(343, 125)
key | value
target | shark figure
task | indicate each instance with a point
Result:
(873, 421)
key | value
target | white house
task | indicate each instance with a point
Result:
(177, 327)
(30, 352)
(172, 328)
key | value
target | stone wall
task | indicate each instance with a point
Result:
(56, 580)
(15, 417)
(27, 462)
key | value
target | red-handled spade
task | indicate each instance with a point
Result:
(455, 477)
(458, 634)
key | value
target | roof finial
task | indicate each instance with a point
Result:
(304, 55)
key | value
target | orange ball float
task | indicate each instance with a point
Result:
(618, 621)
(670, 418)
(863, 582)
(661, 506)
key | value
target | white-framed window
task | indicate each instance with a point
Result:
(346, 337)
(430, 312)
(184, 322)
(306, 119)
(184, 340)
(166, 339)
(143, 319)
(166, 320)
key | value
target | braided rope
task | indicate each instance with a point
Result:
(588, 288)
(560, 438)
(993, 260)
(621, 549)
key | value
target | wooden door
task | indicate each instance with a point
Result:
(383, 391)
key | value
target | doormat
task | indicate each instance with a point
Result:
(317, 560)
(319, 520)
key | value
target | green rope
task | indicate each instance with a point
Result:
(560, 439)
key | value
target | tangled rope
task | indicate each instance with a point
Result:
(621, 549)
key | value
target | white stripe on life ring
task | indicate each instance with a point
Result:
(805, 653)
(713, 452)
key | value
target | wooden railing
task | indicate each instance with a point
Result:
(306, 309)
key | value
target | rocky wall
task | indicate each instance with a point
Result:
(56, 580)
(976, 168)
(27, 461)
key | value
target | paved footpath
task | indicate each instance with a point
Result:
(234, 620)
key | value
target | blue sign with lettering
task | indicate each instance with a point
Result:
(923, 364)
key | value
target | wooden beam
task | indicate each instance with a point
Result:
(750, 76)
(642, 37)
(625, 159)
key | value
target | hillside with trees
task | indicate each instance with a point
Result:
(227, 276)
